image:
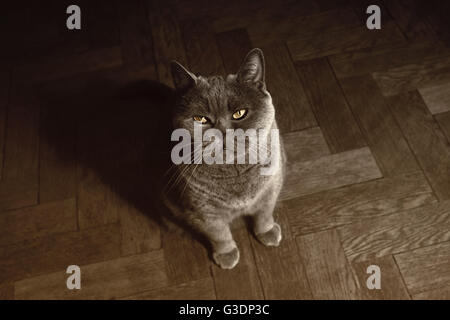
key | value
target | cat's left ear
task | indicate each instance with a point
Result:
(182, 78)
(252, 70)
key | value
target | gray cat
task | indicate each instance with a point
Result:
(209, 196)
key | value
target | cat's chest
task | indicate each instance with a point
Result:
(234, 192)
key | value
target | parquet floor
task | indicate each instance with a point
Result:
(365, 116)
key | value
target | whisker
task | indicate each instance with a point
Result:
(180, 173)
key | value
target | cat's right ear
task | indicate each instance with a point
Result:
(182, 78)
(252, 70)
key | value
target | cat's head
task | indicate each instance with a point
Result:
(239, 101)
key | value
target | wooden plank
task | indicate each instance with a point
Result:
(26, 33)
(283, 29)
(139, 233)
(202, 289)
(336, 207)
(396, 233)
(135, 33)
(98, 204)
(234, 46)
(425, 139)
(6, 291)
(114, 173)
(345, 40)
(235, 11)
(409, 15)
(430, 72)
(203, 8)
(329, 172)
(444, 122)
(392, 285)
(326, 5)
(425, 269)
(57, 153)
(67, 66)
(96, 87)
(230, 11)
(22, 135)
(437, 294)
(18, 193)
(293, 110)
(100, 19)
(437, 98)
(103, 280)
(281, 269)
(380, 58)
(186, 258)
(378, 126)
(48, 254)
(202, 52)
(38, 221)
(5, 86)
(305, 145)
(168, 44)
(330, 107)
(329, 273)
(437, 18)
(228, 283)
(230, 18)
(244, 14)
(112, 169)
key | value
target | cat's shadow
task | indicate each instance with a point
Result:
(119, 131)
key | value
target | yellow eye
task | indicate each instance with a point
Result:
(200, 119)
(239, 114)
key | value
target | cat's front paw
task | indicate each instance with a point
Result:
(227, 260)
(271, 238)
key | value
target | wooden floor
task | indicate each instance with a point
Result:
(365, 116)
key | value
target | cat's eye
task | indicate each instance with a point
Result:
(200, 119)
(239, 114)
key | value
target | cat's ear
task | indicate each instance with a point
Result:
(182, 78)
(252, 70)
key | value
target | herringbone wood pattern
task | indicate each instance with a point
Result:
(365, 117)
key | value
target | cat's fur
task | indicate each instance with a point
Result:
(209, 197)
